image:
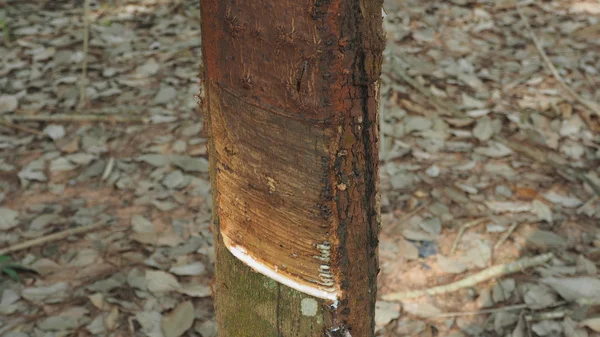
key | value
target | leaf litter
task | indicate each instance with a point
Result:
(92, 167)
(513, 172)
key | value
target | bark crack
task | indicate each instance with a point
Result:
(302, 72)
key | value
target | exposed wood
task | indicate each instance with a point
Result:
(292, 92)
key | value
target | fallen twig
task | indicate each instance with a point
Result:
(489, 273)
(462, 230)
(424, 91)
(482, 312)
(506, 235)
(410, 214)
(51, 238)
(28, 320)
(77, 118)
(492, 310)
(68, 303)
(595, 108)
(108, 169)
(5, 122)
(542, 316)
(545, 159)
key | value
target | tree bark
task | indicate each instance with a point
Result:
(292, 96)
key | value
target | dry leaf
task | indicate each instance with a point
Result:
(161, 282)
(408, 250)
(421, 309)
(542, 211)
(42, 221)
(9, 302)
(541, 239)
(85, 257)
(478, 255)
(494, 150)
(503, 290)
(168, 239)
(55, 131)
(149, 68)
(484, 129)
(385, 312)
(48, 294)
(8, 103)
(508, 206)
(539, 296)
(432, 226)
(451, 265)
(520, 328)
(207, 328)
(586, 266)
(195, 290)
(547, 328)
(8, 218)
(592, 323)
(525, 193)
(140, 224)
(111, 320)
(191, 269)
(566, 201)
(572, 329)
(585, 7)
(503, 320)
(415, 235)
(572, 289)
(58, 323)
(485, 298)
(96, 327)
(150, 322)
(97, 300)
(45, 266)
(178, 321)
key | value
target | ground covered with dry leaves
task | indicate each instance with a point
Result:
(489, 170)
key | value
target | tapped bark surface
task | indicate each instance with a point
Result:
(292, 94)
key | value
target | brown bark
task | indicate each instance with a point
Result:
(292, 92)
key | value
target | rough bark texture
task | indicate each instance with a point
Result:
(292, 98)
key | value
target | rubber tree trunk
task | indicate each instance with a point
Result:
(292, 94)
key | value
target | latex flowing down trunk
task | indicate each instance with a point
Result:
(292, 94)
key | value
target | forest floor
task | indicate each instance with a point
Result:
(491, 145)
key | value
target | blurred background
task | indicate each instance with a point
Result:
(490, 151)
